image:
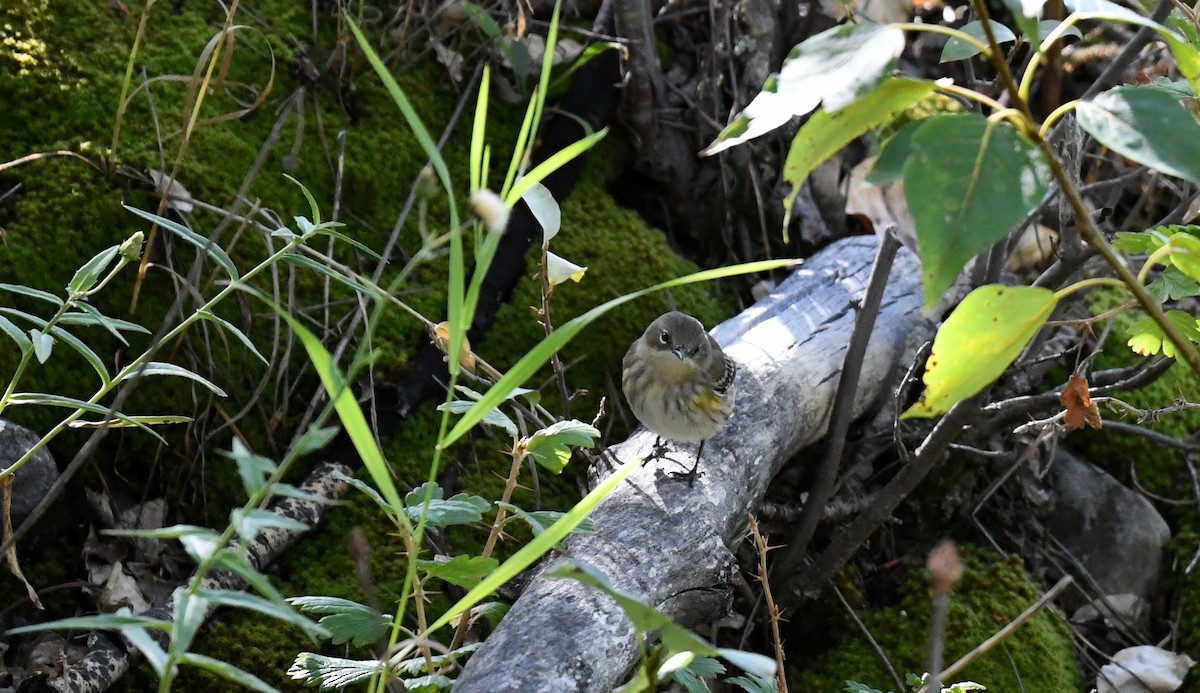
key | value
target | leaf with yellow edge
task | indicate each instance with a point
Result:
(981, 338)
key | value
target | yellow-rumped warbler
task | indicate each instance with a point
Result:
(678, 381)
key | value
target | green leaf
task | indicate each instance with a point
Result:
(227, 671)
(1187, 59)
(1047, 27)
(464, 571)
(540, 520)
(87, 275)
(236, 563)
(827, 132)
(752, 683)
(276, 609)
(314, 439)
(160, 368)
(187, 614)
(958, 49)
(1172, 286)
(535, 549)
(57, 332)
(214, 251)
(320, 268)
(967, 183)
(494, 417)
(1140, 242)
(253, 469)
(249, 523)
(115, 621)
(462, 509)
(834, 68)
(646, 619)
(345, 620)
(93, 317)
(332, 672)
(43, 345)
(984, 334)
(856, 687)
(545, 209)
(14, 333)
(32, 293)
(233, 330)
(551, 446)
(149, 648)
(1185, 254)
(1148, 338)
(1026, 12)
(700, 667)
(46, 399)
(889, 164)
(1148, 125)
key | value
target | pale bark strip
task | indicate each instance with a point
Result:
(667, 543)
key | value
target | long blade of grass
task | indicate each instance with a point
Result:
(540, 354)
(535, 549)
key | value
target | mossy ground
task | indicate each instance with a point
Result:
(61, 80)
(992, 592)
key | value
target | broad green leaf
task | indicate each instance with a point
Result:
(1148, 338)
(559, 270)
(1187, 59)
(332, 672)
(345, 620)
(958, 49)
(646, 619)
(1026, 13)
(160, 368)
(968, 182)
(1185, 254)
(535, 358)
(551, 446)
(535, 549)
(1047, 27)
(1172, 286)
(464, 571)
(206, 246)
(1140, 242)
(827, 132)
(86, 276)
(1148, 125)
(984, 334)
(227, 671)
(834, 67)
(462, 509)
(893, 154)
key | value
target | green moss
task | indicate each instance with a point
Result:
(993, 591)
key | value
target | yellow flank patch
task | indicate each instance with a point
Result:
(708, 401)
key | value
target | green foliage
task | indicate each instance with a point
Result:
(1147, 124)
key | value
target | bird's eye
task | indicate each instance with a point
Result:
(664, 337)
(695, 350)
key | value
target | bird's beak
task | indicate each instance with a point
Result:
(681, 352)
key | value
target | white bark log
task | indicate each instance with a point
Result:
(668, 543)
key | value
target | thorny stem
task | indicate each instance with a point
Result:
(1087, 228)
(418, 597)
(555, 361)
(773, 612)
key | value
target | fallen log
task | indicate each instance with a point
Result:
(668, 543)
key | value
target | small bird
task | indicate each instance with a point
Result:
(678, 382)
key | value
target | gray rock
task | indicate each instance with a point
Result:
(33, 480)
(1115, 534)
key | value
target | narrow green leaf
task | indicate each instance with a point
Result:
(16, 334)
(249, 523)
(52, 400)
(87, 275)
(149, 648)
(32, 293)
(236, 563)
(278, 610)
(323, 269)
(538, 356)
(91, 316)
(188, 614)
(205, 246)
(526, 555)
(552, 163)
(313, 207)
(1148, 125)
(57, 332)
(980, 339)
(968, 182)
(328, 230)
(227, 671)
(826, 132)
(114, 621)
(233, 330)
(170, 369)
(958, 49)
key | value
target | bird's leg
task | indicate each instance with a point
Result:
(659, 450)
(691, 474)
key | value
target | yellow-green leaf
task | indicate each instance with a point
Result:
(981, 338)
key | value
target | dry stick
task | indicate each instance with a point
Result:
(987, 645)
(773, 613)
(1087, 227)
(843, 405)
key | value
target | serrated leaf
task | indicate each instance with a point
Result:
(86, 276)
(1148, 338)
(495, 417)
(332, 672)
(462, 509)
(827, 132)
(464, 571)
(980, 339)
(958, 49)
(753, 684)
(834, 67)
(551, 446)
(1185, 254)
(345, 620)
(968, 182)
(1148, 125)
(1172, 286)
